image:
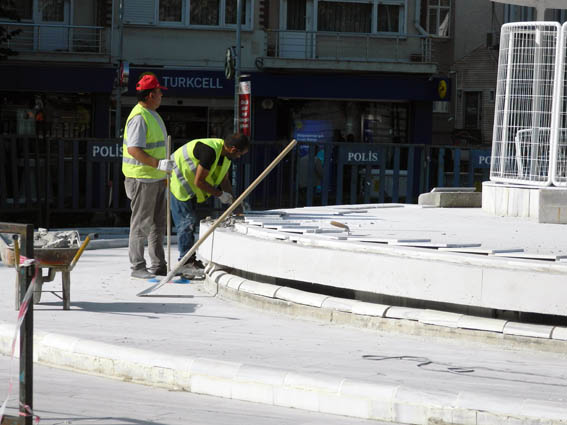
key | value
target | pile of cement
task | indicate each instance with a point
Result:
(62, 239)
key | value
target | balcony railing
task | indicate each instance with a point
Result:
(347, 46)
(56, 38)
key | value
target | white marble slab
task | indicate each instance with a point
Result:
(393, 241)
(485, 251)
(532, 256)
(436, 244)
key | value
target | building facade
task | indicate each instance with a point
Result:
(61, 80)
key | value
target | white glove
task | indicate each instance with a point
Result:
(165, 165)
(226, 198)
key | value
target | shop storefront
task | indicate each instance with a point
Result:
(342, 108)
(55, 101)
(196, 104)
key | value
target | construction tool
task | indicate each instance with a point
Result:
(219, 220)
(341, 225)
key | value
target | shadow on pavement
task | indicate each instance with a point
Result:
(128, 307)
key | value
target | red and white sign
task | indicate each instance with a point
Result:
(244, 108)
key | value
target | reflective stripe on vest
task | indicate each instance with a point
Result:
(180, 177)
(155, 147)
(183, 179)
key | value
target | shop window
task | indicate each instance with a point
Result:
(231, 12)
(208, 13)
(205, 12)
(296, 12)
(441, 107)
(518, 13)
(438, 16)
(559, 15)
(472, 109)
(348, 121)
(344, 17)
(390, 18)
(221, 123)
(52, 10)
(17, 9)
(171, 10)
(42, 116)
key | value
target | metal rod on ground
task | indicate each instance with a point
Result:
(168, 205)
(26, 335)
(219, 220)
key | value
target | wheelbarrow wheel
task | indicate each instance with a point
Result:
(38, 287)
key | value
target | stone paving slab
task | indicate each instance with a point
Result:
(183, 324)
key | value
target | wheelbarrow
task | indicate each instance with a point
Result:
(55, 260)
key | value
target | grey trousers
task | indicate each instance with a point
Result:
(148, 221)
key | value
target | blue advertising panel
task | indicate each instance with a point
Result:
(312, 131)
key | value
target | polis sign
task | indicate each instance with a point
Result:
(359, 154)
(480, 158)
(104, 151)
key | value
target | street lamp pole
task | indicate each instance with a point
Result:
(118, 116)
(237, 67)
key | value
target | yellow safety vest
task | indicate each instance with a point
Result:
(183, 176)
(155, 147)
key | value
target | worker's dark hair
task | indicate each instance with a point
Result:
(143, 94)
(239, 141)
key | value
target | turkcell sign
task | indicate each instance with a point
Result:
(359, 154)
(182, 82)
(104, 151)
(192, 82)
(480, 158)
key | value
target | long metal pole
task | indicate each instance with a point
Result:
(237, 67)
(219, 220)
(118, 116)
(26, 334)
(168, 206)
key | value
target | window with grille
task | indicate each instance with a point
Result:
(171, 11)
(472, 109)
(231, 11)
(518, 13)
(438, 17)
(390, 18)
(344, 17)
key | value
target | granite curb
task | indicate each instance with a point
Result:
(415, 321)
(279, 387)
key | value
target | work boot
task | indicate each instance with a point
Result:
(197, 264)
(142, 274)
(160, 271)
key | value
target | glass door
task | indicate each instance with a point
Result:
(53, 17)
(297, 38)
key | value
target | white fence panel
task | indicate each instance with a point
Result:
(559, 168)
(527, 64)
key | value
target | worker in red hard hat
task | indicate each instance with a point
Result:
(145, 165)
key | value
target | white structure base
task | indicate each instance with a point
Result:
(374, 269)
(544, 205)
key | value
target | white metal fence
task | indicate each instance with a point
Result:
(559, 139)
(523, 120)
(56, 38)
(347, 46)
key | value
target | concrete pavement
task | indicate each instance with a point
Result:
(63, 397)
(186, 338)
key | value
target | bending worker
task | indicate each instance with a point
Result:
(199, 167)
(145, 165)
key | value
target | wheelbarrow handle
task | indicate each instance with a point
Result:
(16, 252)
(81, 249)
